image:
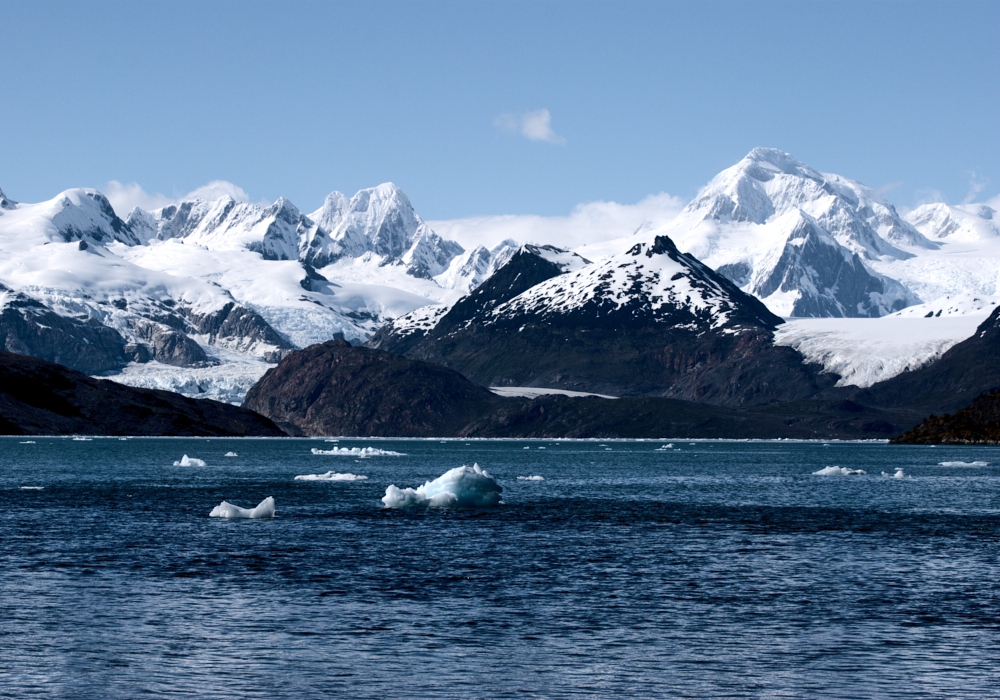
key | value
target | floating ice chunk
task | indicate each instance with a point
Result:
(900, 474)
(461, 487)
(531, 478)
(668, 446)
(32, 488)
(541, 448)
(527, 447)
(331, 476)
(265, 509)
(27, 442)
(362, 452)
(82, 439)
(231, 454)
(839, 471)
(186, 461)
(963, 464)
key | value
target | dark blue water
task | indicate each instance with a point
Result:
(716, 570)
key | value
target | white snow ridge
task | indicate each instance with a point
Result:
(461, 487)
(264, 509)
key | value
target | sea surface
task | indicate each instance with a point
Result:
(700, 570)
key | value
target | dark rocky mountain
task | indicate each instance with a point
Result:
(336, 389)
(652, 321)
(976, 424)
(43, 398)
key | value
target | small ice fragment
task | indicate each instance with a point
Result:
(460, 487)
(839, 471)
(82, 439)
(963, 464)
(527, 447)
(900, 474)
(607, 449)
(32, 488)
(265, 509)
(668, 446)
(231, 454)
(186, 461)
(541, 448)
(362, 452)
(27, 442)
(531, 478)
(331, 476)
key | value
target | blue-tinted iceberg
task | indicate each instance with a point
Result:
(461, 487)
(265, 509)
(331, 476)
(358, 452)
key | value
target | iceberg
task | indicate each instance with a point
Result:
(231, 454)
(265, 509)
(531, 478)
(32, 488)
(839, 471)
(668, 446)
(358, 452)
(27, 442)
(963, 464)
(331, 476)
(462, 487)
(900, 474)
(186, 461)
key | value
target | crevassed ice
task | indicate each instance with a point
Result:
(264, 509)
(467, 487)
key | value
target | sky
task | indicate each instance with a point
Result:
(491, 109)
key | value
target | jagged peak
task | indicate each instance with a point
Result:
(6, 203)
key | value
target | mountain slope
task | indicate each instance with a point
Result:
(651, 321)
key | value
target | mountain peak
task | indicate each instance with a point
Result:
(6, 203)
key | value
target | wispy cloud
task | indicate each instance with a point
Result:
(976, 185)
(588, 223)
(534, 126)
(126, 196)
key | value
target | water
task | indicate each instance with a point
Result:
(718, 569)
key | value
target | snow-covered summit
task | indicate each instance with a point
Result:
(802, 241)
(651, 281)
(961, 222)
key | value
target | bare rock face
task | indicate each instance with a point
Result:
(43, 398)
(336, 389)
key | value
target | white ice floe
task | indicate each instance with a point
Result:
(32, 488)
(82, 439)
(459, 487)
(531, 478)
(231, 454)
(265, 509)
(358, 452)
(900, 474)
(963, 464)
(839, 471)
(186, 461)
(668, 446)
(331, 476)
(27, 442)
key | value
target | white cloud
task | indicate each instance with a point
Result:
(593, 222)
(126, 196)
(976, 185)
(534, 126)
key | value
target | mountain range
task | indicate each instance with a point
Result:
(204, 296)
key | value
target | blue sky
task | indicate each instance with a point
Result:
(479, 108)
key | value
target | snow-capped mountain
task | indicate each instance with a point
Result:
(649, 321)
(179, 290)
(961, 222)
(800, 240)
